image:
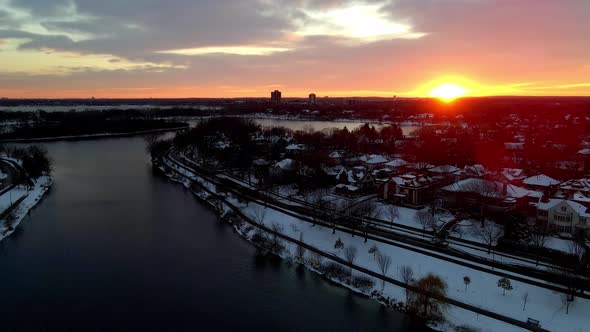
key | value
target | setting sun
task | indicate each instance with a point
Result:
(448, 92)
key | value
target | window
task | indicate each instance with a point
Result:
(563, 229)
(562, 218)
(563, 209)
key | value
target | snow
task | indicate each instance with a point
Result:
(286, 164)
(348, 187)
(32, 197)
(541, 180)
(544, 305)
(296, 147)
(11, 196)
(490, 188)
(396, 163)
(584, 152)
(376, 159)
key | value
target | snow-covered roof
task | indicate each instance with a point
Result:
(335, 154)
(287, 164)
(584, 152)
(578, 196)
(294, 147)
(414, 181)
(582, 185)
(490, 188)
(477, 169)
(347, 186)
(420, 165)
(396, 163)
(540, 180)
(444, 169)
(513, 173)
(260, 162)
(376, 159)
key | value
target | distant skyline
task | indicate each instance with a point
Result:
(226, 48)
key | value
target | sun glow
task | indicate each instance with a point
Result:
(448, 92)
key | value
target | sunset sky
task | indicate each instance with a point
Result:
(231, 48)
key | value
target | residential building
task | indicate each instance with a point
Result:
(411, 190)
(564, 216)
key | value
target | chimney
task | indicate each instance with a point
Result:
(504, 189)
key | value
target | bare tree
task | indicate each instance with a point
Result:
(315, 259)
(392, 213)
(538, 240)
(569, 272)
(489, 233)
(300, 251)
(525, 299)
(425, 219)
(384, 262)
(276, 243)
(350, 255)
(407, 275)
(364, 213)
(259, 214)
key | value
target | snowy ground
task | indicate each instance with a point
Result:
(546, 306)
(32, 198)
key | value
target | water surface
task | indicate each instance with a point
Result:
(112, 247)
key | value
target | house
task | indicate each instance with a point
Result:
(359, 177)
(449, 174)
(374, 161)
(512, 175)
(260, 168)
(284, 171)
(477, 195)
(396, 164)
(410, 190)
(540, 182)
(347, 190)
(295, 149)
(475, 171)
(564, 216)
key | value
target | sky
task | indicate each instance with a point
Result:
(247, 48)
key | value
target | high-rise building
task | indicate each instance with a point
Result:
(275, 96)
(312, 98)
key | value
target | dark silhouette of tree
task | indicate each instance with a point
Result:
(505, 284)
(425, 301)
(466, 281)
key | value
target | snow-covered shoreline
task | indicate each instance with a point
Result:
(322, 239)
(31, 198)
